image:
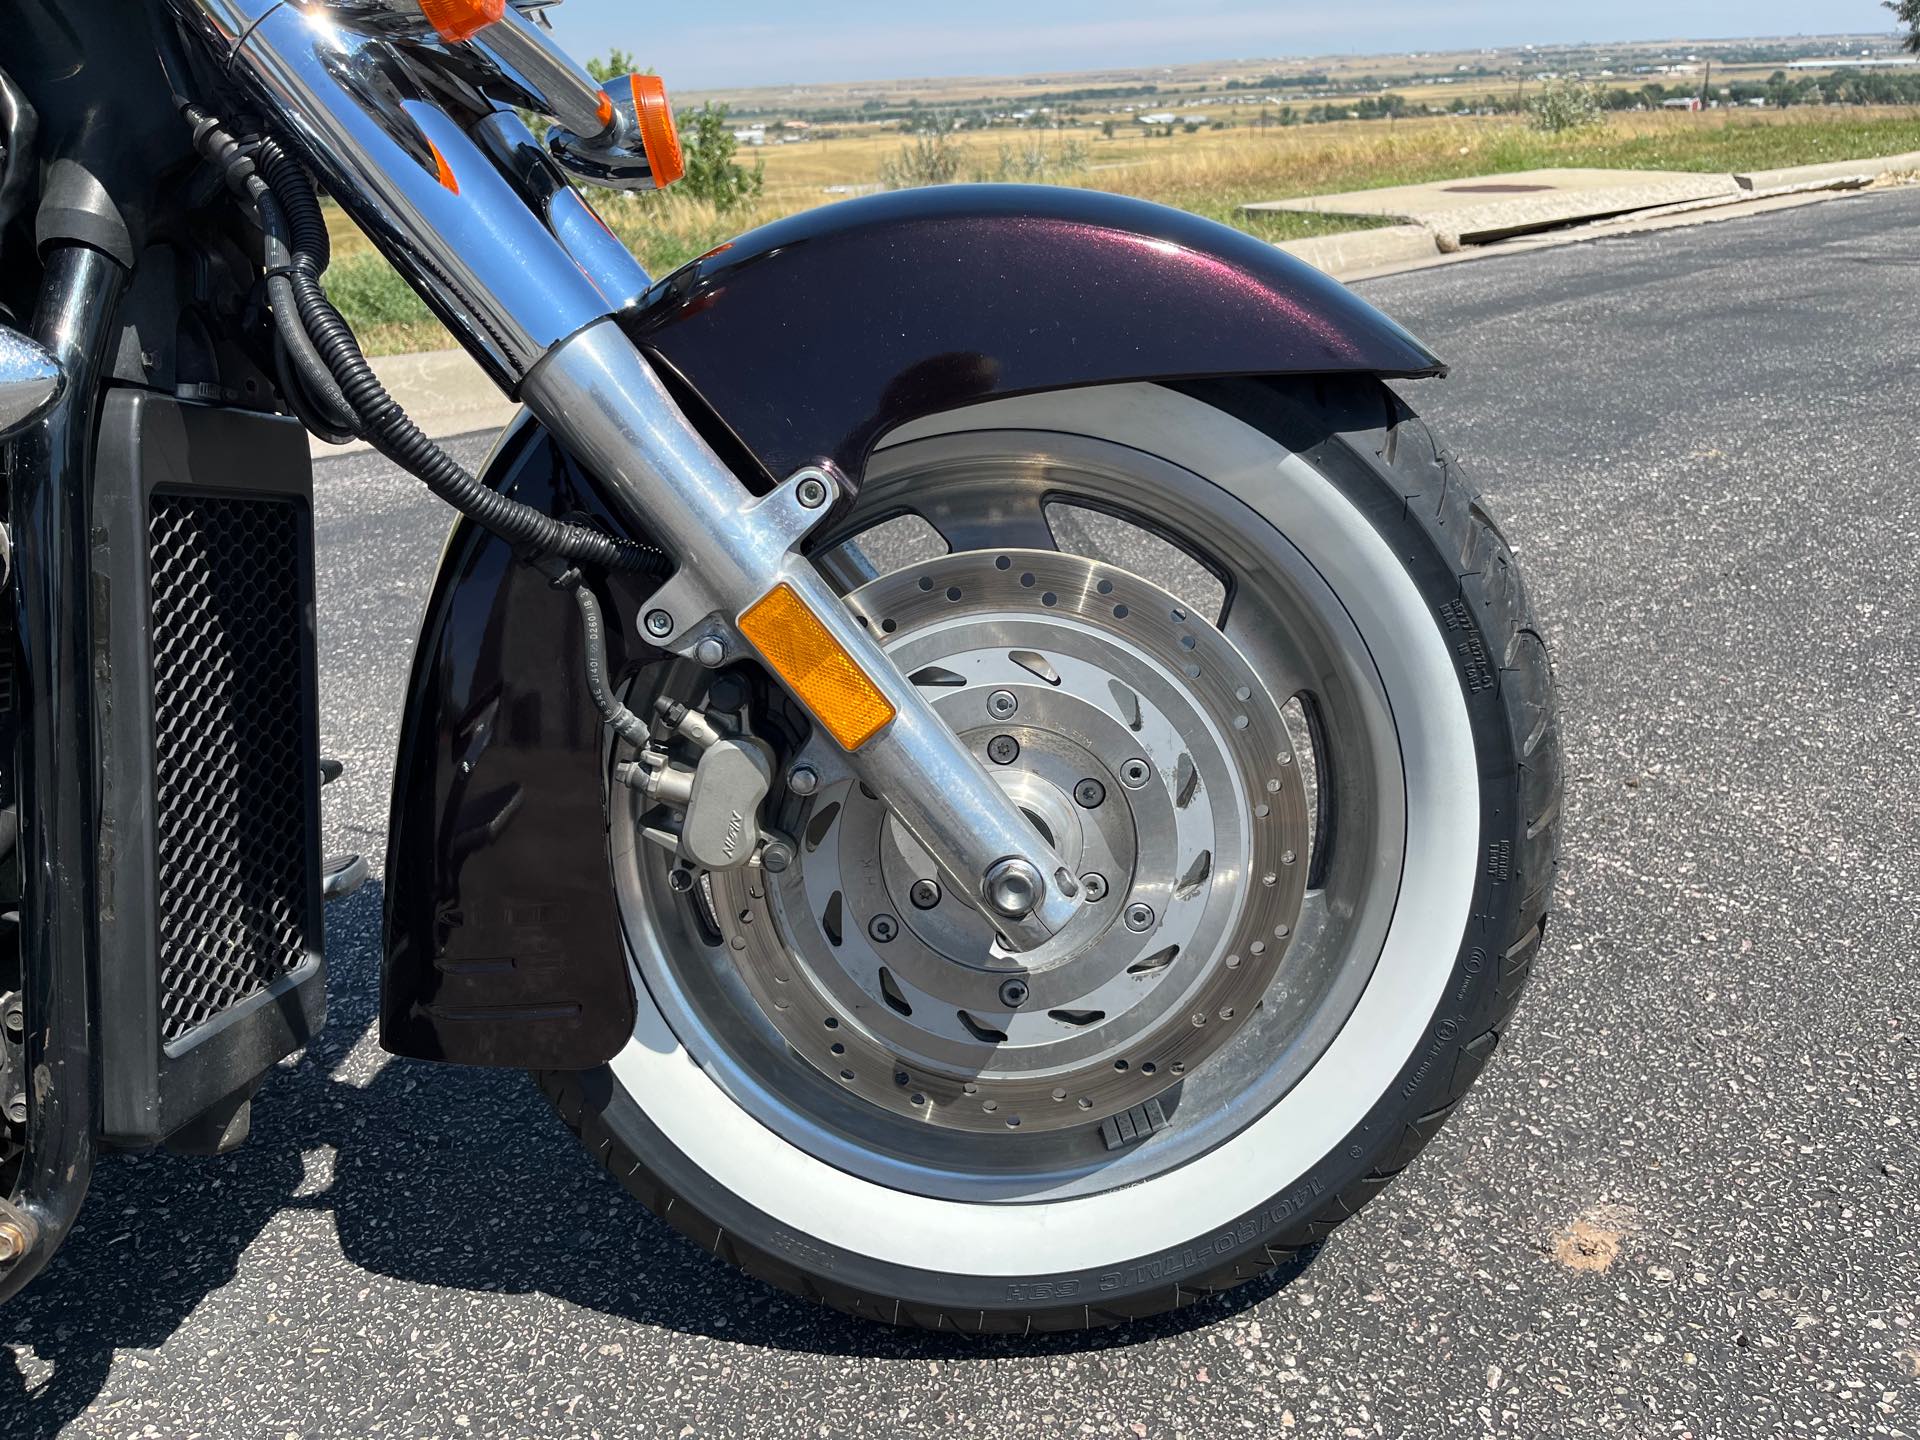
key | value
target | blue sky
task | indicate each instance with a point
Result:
(709, 43)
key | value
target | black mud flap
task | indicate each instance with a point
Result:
(503, 942)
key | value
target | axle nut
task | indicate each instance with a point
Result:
(1012, 887)
(13, 1241)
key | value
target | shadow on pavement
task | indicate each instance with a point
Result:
(441, 1176)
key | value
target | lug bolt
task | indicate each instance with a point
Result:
(13, 1241)
(1095, 885)
(925, 894)
(776, 857)
(803, 780)
(659, 624)
(1003, 749)
(710, 651)
(1139, 917)
(883, 928)
(1001, 704)
(1135, 773)
(811, 492)
(1089, 794)
(1013, 994)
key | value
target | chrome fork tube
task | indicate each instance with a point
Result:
(598, 393)
(504, 280)
(413, 178)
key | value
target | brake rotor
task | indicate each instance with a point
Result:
(1137, 738)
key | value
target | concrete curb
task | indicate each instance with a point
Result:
(443, 390)
(1831, 172)
(1353, 251)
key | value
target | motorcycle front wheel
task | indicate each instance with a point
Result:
(1256, 659)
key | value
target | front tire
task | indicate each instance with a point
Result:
(1337, 479)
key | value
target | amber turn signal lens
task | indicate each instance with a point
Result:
(462, 19)
(657, 132)
(815, 667)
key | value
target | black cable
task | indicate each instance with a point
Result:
(313, 395)
(622, 721)
(317, 339)
(388, 427)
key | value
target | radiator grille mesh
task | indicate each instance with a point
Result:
(230, 788)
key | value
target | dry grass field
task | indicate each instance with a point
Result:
(1211, 172)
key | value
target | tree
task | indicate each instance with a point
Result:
(612, 66)
(1908, 13)
(706, 139)
(1564, 105)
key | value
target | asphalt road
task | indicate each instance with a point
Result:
(1683, 1200)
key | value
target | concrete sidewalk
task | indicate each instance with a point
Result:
(1474, 211)
(1448, 216)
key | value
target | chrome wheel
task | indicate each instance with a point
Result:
(1179, 699)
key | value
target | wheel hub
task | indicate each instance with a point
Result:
(1137, 738)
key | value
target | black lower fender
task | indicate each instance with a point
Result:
(802, 342)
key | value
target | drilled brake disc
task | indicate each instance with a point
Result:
(1141, 742)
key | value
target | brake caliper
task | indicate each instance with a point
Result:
(718, 798)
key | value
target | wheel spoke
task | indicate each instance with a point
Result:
(1283, 680)
(1010, 519)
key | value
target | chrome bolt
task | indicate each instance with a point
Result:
(710, 651)
(1096, 886)
(803, 780)
(1089, 794)
(659, 624)
(925, 894)
(1013, 994)
(776, 857)
(1012, 887)
(1135, 773)
(1001, 704)
(1003, 749)
(1139, 917)
(811, 492)
(883, 928)
(13, 1241)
